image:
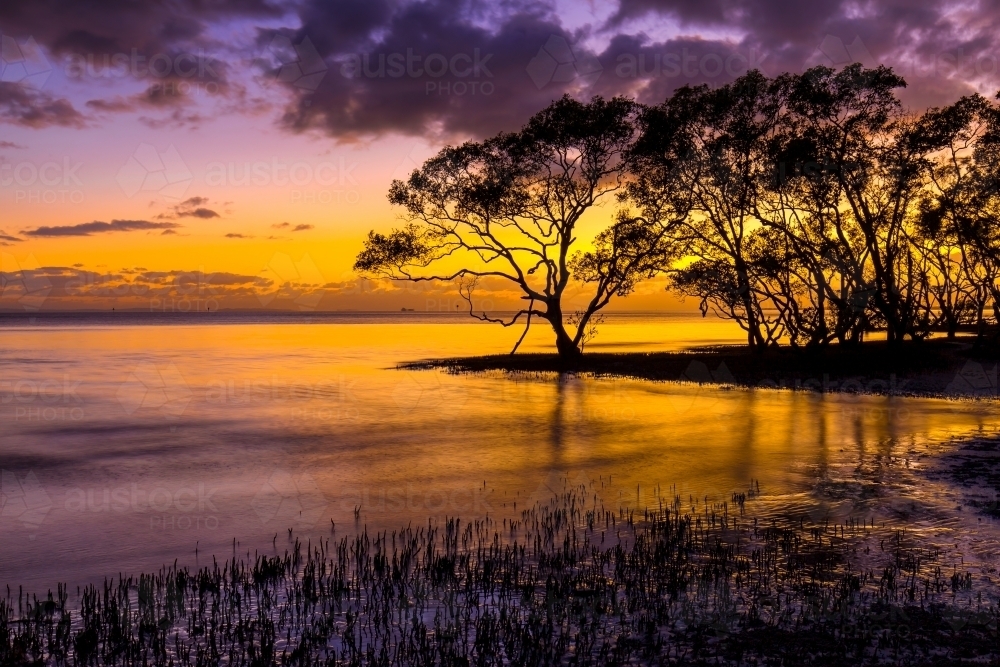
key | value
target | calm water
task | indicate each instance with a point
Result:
(129, 441)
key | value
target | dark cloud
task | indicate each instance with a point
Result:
(10, 144)
(99, 227)
(7, 237)
(192, 207)
(169, 96)
(461, 78)
(237, 236)
(346, 24)
(168, 46)
(115, 105)
(97, 31)
(20, 105)
(471, 68)
(164, 97)
(943, 49)
(204, 213)
(652, 71)
(296, 228)
(773, 16)
(63, 288)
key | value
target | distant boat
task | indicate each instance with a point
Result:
(407, 310)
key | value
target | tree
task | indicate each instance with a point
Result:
(978, 218)
(823, 254)
(508, 209)
(958, 213)
(852, 174)
(700, 153)
(855, 120)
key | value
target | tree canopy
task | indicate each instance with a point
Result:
(508, 208)
(809, 208)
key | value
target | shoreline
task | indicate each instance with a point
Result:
(937, 368)
(687, 581)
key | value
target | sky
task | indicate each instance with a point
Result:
(206, 154)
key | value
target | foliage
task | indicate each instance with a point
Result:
(809, 208)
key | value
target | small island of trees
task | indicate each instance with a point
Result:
(809, 208)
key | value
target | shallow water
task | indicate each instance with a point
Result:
(127, 443)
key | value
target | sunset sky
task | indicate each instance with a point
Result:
(235, 153)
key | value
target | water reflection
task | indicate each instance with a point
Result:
(180, 437)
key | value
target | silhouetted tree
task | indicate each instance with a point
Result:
(801, 206)
(855, 119)
(958, 214)
(712, 166)
(508, 208)
(808, 208)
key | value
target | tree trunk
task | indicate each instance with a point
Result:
(980, 322)
(952, 325)
(755, 340)
(567, 349)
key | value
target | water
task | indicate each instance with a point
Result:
(128, 441)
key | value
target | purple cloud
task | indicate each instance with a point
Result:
(99, 227)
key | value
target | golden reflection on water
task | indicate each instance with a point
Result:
(299, 425)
